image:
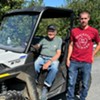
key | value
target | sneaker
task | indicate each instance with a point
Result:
(36, 81)
(44, 93)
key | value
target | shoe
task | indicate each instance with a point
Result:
(44, 93)
(36, 81)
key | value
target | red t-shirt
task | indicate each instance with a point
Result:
(83, 43)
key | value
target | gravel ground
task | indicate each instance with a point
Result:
(94, 92)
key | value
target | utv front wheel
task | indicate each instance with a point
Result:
(12, 95)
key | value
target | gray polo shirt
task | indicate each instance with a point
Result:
(49, 47)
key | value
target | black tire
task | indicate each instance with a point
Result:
(11, 95)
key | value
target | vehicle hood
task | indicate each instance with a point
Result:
(12, 59)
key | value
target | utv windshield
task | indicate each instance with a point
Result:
(15, 31)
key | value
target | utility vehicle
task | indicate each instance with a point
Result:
(17, 35)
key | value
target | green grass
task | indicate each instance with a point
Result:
(98, 53)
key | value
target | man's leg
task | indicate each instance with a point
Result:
(38, 65)
(53, 69)
(72, 75)
(86, 72)
(44, 93)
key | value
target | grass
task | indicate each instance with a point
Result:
(98, 54)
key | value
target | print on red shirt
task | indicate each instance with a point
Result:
(82, 41)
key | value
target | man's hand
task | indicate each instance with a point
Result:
(46, 65)
(68, 63)
(70, 49)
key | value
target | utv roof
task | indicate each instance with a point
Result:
(48, 12)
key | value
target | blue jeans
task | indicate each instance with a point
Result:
(73, 71)
(52, 70)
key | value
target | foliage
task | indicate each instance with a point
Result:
(92, 6)
(77, 5)
(30, 3)
(62, 24)
(7, 5)
(39, 3)
(98, 54)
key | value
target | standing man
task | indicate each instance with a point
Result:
(81, 55)
(48, 58)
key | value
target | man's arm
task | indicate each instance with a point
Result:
(58, 53)
(48, 63)
(70, 49)
(96, 50)
(36, 46)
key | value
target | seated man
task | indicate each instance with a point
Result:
(48, 58)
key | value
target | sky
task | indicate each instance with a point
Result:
(54, 3)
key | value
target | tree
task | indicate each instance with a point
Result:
(92, 6)
(7, 5)
(30, 3)
(39, 2)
